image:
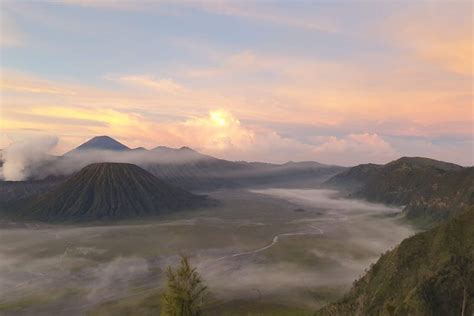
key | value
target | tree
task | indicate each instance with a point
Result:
(463, 269)
(184, 291)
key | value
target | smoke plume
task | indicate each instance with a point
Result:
(21, 157)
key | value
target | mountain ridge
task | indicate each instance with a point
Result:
(183, 167)
(428, 189)
(431, 273)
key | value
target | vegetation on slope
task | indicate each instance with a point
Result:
(430, 190)
(184, 292)
(431, 273)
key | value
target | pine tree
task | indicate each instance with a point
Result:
(184, 291)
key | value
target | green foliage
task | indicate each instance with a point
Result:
(431, 273)
(184, 291)
(432, 191)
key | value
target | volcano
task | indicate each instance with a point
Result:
(99, 143)
(110, 191)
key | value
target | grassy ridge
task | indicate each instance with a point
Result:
(430, 273)
(431, 191)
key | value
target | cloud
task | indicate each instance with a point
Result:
(160, 85)
(220, 133)
(23, 83)
(311, 91)
(102, 4)
(453, 55)
(392, 99)
(5, 140)
(223, 135)
(226, 8)
(443, 38)
(355, 148)
(264, 14)
(21, 156)
(116, 274)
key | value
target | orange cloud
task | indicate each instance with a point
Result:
(370, 146)
(219, 131)
(221, 134)
(444, 37)
(18, 82)
(454, 55)
(328, 95)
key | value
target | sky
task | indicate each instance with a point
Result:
(340, 82)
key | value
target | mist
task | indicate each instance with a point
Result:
(29, 159)
(328, 199)
(68, 164)
(252, 247)
(21, 157)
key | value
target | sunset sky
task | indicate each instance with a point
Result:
(341, 82)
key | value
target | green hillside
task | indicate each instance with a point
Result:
(431, 273)
(431, 191)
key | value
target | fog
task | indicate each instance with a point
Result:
(328, 199)
(29, 158)
(354, 235)
(46, 165)
(23, 156)
(253, 247)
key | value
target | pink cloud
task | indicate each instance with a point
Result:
(354, 149)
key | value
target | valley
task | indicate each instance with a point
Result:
(236, 158)
(256, 253)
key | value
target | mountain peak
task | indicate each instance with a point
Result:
(186, 148)
(183, 152)
(139, 149)
(425, 163)
(110, 190)
(100, 143)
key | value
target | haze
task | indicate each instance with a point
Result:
(253, 247)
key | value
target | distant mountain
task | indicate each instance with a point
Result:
(430, 190)
(108, 191)
(100, 143)
(139, 149)
(354, 178)
(431, 273)
(182, 167)
(165, 149)
(178, 154)
(207, 173)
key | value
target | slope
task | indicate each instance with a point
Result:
(431, 273)
(430, 190)
(100, 143)
(109, 191)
